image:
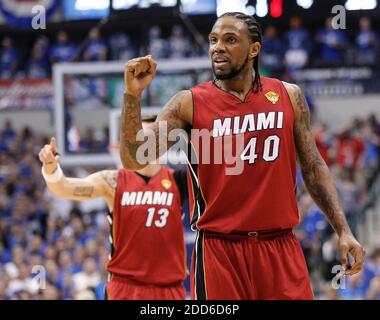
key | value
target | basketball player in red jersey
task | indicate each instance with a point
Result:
(245, 247)
(147, 249)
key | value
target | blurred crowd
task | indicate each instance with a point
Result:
(119, 46)
(43, 235)
(352, 154)
(70, 239)
(330, 46)
(287, 51)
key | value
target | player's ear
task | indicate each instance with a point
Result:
(254, 50)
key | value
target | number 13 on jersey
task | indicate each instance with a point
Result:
(161, 220)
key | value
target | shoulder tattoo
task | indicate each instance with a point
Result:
(110, 177)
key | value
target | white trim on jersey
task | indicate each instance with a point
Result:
(196, 266)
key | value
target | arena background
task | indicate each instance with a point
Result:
(72, 89)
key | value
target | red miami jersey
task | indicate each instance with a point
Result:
(147, 232)
(258, 132)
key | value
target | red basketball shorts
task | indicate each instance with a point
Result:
(120, 289)
(268, 266)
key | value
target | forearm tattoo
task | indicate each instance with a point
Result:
(130, 125)
(315, 172)
(83, 191)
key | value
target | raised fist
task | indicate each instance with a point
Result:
(138, 74)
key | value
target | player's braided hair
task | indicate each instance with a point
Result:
(256, 36)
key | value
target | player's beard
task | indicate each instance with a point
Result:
(232, 74)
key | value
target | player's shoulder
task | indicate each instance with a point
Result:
(118, 174)
(183, 98)
(297, 98)
(204, 86)
(121, 172)
(270, 81)
(292, 88)
(108, 179)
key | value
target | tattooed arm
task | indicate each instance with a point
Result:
(176, 114)
(99, 184)
(319, 181)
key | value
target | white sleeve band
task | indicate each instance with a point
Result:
(54, 177)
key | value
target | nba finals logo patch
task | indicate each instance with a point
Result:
(272, 97)
(166, 183)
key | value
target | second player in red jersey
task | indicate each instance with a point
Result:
(147, 241)
(148, 246)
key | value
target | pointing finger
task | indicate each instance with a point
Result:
(53, 145)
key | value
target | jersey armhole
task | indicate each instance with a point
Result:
(180, 178)
(115, 198)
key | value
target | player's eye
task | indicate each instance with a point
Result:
(231, 40)
(212, 40)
